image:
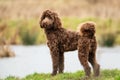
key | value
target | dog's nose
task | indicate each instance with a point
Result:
(44, 23)
(46, 20)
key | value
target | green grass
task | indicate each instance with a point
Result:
(32, 34)
(104, 75)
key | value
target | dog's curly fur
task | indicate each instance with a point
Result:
(59, 40)
(87, 48)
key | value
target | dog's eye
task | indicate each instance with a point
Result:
(50, 17)
(86, 30)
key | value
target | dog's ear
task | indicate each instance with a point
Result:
(41, 18)
(57, 21)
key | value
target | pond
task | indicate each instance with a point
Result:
(31, 59)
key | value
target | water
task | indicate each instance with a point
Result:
(31, 59)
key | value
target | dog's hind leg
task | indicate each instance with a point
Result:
(92, 59)
(95, 65)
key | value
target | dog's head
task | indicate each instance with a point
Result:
(87, 29)
(50, 20)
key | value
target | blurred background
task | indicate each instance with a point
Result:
(19, 19)
(19, 27)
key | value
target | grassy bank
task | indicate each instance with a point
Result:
(105, 75)
(28, 32)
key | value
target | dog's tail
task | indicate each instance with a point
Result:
(87, 29)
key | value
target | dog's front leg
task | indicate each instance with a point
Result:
(55, 59)
(61, 62)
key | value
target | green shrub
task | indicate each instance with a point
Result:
(117, 77)
(28, 37)
(107, 30)
(11, 78)
(107, 39)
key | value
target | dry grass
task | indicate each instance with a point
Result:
(5, 51)
(80, 8)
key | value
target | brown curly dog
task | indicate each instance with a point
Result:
(59, 40)
(87, 48)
